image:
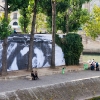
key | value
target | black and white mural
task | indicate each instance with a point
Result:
(18, 48)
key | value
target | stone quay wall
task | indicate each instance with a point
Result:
(75, 90)
(90, 45)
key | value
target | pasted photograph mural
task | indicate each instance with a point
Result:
(18, 48)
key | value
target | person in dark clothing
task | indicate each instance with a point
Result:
(32, 75)
(97, 66)
(36, 75)
(92, 67)
(15, 31)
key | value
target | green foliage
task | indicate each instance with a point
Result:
(19, 4)
(46, 8)
(74, 20)
(74, 12)
(72, 47)
(15, 4)
(59, 41)
(5, 28)
(72, 8)
(61, 22)
(41, 22)
(92, 26)
(24, 20)
(84, 16)
(49, 24)
(63, 6)
(25, 15)
(94, 98)
(30, 6)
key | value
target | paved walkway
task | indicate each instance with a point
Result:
(21, 83)
(41, 71)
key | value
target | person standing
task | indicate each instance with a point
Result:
(97, 66)
(92, 60)
(92, 67)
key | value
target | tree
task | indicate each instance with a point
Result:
(66, 11)
(84, 16)
(32, 35)
(52, 7)
(53, 2)
(92, 26)
(4, 22)
(69, 16)
(25, 15)
(46, 8)
(5, 31)
(40, 22)
(13, 5)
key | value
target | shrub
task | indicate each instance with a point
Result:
(72, 47)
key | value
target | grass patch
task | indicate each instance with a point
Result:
(94, 98)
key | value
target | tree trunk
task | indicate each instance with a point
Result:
(53, 33)
(4, 58)
(25, 23)
(6, 9)
(30, 56)
(67, 23)
(24, 28)
(4, 52)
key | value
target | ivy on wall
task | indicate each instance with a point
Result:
(72, 47)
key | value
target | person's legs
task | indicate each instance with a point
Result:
(97, 68)
(92, 67)
(36, 77)
(33, 77)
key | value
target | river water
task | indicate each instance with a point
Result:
(87, 57)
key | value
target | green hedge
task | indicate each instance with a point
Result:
(71, 46)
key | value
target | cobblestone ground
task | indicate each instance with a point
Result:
(10, 85)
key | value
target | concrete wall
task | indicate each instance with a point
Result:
(18, 48)
(74, 90)
(90, 45)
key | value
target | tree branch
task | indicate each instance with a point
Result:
(2, 7)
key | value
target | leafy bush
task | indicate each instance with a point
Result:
(5, 28)
(72, 47)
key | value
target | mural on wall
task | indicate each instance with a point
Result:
(18, 48)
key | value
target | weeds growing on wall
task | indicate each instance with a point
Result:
(94, 98)
(72, 47)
